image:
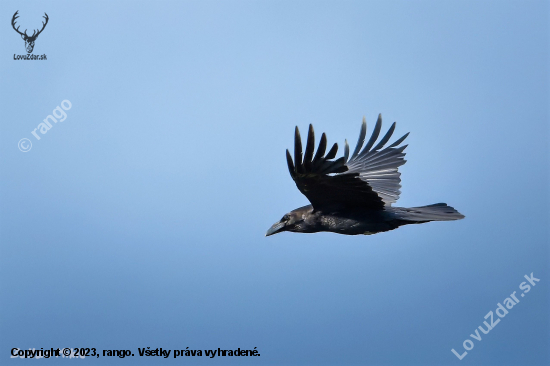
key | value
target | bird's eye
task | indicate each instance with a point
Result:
(285, 218)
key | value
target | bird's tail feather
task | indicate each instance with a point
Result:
(435, 212)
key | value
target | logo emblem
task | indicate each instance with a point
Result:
(29, 40)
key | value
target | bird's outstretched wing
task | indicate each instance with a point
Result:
(369, 179)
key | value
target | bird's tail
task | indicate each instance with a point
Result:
(435, 212)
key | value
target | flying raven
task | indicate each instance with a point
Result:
(353, 196)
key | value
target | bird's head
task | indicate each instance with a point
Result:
(293, 221)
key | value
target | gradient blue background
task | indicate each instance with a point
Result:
(139, 221)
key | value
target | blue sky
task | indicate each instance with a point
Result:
(139, 221)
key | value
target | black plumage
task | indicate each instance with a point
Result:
(353, 195)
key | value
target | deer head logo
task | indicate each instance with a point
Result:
(29, 40)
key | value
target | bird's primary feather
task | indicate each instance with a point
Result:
(368, 180)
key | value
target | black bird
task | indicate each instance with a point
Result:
(353, 196)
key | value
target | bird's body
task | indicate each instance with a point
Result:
(354, 196)
(352, 222)
(367, 222)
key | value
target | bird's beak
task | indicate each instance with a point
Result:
(276, 228)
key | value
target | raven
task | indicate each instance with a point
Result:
(353, 196)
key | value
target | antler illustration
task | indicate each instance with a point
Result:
(43, 26)
(15, 16)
